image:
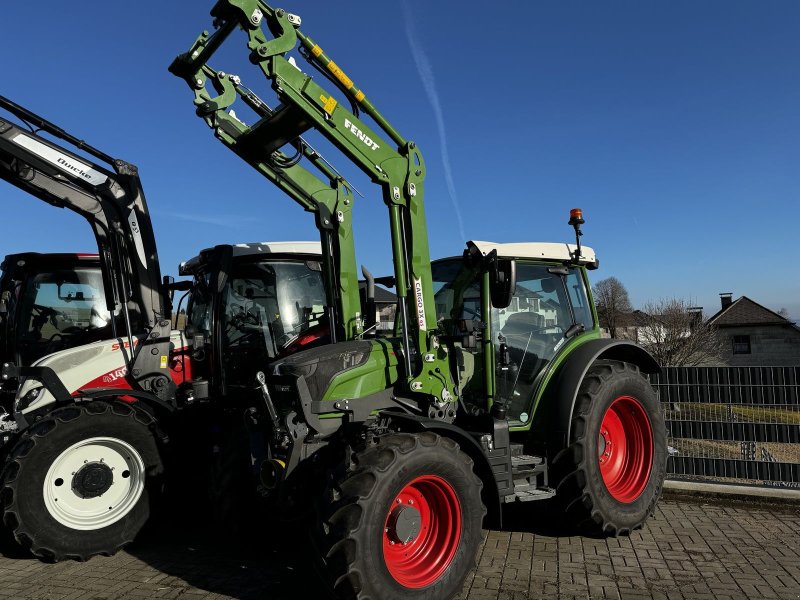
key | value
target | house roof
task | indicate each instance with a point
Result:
(634, 318)
(382, 295)
(745, 311)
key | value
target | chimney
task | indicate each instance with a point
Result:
(696, 314)
(725, 299)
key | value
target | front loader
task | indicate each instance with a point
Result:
(81, 447)
(496, 387)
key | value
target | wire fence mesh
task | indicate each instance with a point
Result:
(732, 424)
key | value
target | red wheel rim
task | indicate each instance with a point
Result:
(422, 531)
(625, 449)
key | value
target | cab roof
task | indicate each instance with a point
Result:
(277, 248)
(51, 260)
(259, 248)
(554, 251)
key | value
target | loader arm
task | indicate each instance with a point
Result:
(110, 197)
(396, 165)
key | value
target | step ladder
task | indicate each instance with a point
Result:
(529, 474)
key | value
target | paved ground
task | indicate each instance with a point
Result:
(690, 549)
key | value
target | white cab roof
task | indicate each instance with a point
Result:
(277, 248)
(537, 250)
(255, 248)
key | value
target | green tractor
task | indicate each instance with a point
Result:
(495, 388)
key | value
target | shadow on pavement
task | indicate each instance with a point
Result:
(543, 517)
(266, 561)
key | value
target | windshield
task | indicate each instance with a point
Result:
(270, 304)
(456, 292)
(457, 296)
(264, 307)
(60, 309)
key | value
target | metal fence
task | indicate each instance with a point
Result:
(732, 424)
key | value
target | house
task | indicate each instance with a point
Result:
(385, 306)
(628, 325)
(753, 335)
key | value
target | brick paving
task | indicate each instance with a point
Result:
(691, 549)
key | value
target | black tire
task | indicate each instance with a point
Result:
(231, 485)
(49, 441)
(582, 491)
(353, 525)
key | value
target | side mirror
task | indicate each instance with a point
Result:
(502, 280)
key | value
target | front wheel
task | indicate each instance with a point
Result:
(610, 476)
(406, 523)
(80, 482)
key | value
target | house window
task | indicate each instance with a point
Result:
(741, 344)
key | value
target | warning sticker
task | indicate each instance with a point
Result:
(340, 75)
(330, 104)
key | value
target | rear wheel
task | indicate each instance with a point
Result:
(611, 475)
(80, 481)
(406, 523)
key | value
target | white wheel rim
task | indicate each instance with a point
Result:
(71, 509)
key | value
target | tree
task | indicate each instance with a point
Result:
(612, 300)
(677, 335)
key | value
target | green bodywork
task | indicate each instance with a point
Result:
(397, 167)
(379, 372)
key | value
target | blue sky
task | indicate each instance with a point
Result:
(674, 125)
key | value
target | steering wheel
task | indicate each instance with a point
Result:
(45, 312)
(287, 338)
(241, 318)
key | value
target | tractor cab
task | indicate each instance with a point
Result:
(48, 303)
(250, 304)
(504, 352)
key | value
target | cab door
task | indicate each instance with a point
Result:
(549, 305)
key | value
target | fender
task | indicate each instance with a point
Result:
(560, 399)
(471, 448)
(145, 400)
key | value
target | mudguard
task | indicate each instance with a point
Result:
(556, 417)
(471, 448)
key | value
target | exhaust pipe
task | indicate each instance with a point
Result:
(369, 308)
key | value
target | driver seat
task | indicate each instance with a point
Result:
(518, 333)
